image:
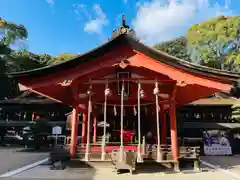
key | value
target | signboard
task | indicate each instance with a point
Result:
(216, 143)
(56, 130)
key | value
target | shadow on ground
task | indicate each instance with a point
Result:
(75, 169)
(224, 162)
(150, 168)
(32, 150)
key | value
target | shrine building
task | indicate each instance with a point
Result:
(120, 80)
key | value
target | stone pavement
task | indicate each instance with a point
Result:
(12, 158)
(229, 163)
(105, 172)
(99, 171)
(226, 162)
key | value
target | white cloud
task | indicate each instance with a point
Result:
(161, 20)
(95, 25)
(81, 11)
(95, 19)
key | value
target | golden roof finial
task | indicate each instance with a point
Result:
(123, 29)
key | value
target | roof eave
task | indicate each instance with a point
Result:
(135, 44)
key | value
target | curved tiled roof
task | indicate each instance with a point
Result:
(28, 98)
(125, 39)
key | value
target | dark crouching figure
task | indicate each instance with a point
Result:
(59, 157)
(235, 91)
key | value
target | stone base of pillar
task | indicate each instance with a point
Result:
(121, 153)
(139, 158)
(86, 157)
(103, 155)
(176, 167)
(159, 154)
(196, 165)
(87, 152)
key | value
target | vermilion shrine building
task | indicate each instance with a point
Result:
(125, 73)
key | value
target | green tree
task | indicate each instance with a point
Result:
(211, 43)
(61, 58)
(24, 60)
(10, 35)
(14, 56)
(176, 47)
(12, 32)
(13, 48)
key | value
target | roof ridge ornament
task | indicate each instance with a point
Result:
(123, 29)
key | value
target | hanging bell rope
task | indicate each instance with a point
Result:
(156, 92)
(139, 157)
(89, 93)
(121, 125)
(106, 94)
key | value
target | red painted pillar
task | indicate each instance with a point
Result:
(163, 126)
(84, 125)
(174, 138)
(74, 132)
(94, 129)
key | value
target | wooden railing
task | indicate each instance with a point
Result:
(147, 153)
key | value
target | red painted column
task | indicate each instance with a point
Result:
(174, 138)
(84, 125)
(163, 126)
(94, 129)
(74, 132)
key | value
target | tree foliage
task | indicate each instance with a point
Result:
(23, 60)
(176, 47)
(61, 58)
(213, 43)
(14, 56)
(12, 32)
(10, 35)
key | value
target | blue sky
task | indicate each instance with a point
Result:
(76, 26)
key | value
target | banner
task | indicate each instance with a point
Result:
(216, 143)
